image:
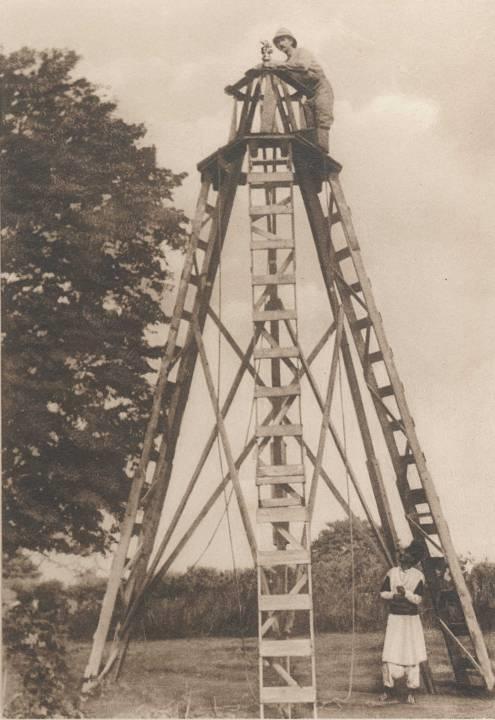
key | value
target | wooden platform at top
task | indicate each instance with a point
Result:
(320, 164)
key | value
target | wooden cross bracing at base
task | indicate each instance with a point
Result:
(272, 152)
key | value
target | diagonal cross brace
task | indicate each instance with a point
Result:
(225, 442)
(326, 412)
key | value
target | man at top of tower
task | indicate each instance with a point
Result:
(301, 64)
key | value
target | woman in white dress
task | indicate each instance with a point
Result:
(404, 647)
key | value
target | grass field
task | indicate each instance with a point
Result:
(217, 677)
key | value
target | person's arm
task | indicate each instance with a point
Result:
(416, 596)
(302, 62)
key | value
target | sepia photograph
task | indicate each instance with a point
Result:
(248, 387)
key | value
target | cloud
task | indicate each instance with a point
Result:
(401, 111)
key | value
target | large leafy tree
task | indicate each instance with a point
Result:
(86, 220)
(334, 552)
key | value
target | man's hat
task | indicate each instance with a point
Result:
(416, 550)
(283, 32)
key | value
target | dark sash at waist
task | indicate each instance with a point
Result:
(402, 607)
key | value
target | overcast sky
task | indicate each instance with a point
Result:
(415, 131)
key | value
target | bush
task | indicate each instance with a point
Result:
(85, 600)
(202, 601)
(34, 635)
(481, 583)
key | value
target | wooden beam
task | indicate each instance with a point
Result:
(269, 105)
(290, 109)
(321, 343)
(251, 537)
(284, 648)
(326, 412)
(333, 488)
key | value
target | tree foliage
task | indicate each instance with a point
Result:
(35, 635)
(19, 566)
(86, 219)
(332, 577)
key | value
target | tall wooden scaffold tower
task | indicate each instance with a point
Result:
(272, 151)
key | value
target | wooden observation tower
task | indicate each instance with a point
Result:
(271, 151)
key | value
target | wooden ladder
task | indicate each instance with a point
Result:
(285, 603)
(134, 561)
(343, 270)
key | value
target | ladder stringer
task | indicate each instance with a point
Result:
(450, 597)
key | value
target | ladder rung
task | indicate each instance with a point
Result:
(186, 315)
(408, 459)
(260, 210)
(417, 496)
(342, 254)
(273, 161)
(270, 470)
(280, 480)
(202, 245)
(274, 178)
(375, 356)
(429, 528)
(285, 501)
(385, 391)
(285, 648)
(210, 209)
(278, 430)
(283, 557)
(274, 315)
(285, 602)
(273, 279)
(458, 628)
(273, 244)
(356, 286)
(362, 323)
(275, 352)
(287, 694)
(395, 425)
(283, 391)
(287, 514)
